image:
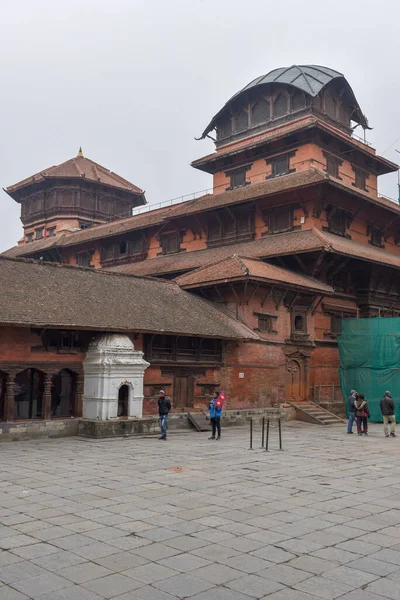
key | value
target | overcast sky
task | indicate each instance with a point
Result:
(134, 81)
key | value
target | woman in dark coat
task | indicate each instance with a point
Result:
(362, 414)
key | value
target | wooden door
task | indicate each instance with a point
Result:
(294, 380)
(183, 391)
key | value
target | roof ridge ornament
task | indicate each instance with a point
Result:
(80, 153)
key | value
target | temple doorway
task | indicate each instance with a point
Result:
(123, 401)
(183, 391)
(294, 380)
(28, 394)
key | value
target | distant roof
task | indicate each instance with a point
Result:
(237, 268)
(310, 79)
(77, 298)
(78, 167)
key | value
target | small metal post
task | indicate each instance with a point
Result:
(267, 437)
(251, 433)
(262, 432)
(280, 434)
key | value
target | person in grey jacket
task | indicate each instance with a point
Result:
(387, 410)
(352, 410)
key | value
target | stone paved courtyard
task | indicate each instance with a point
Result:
(150, 520)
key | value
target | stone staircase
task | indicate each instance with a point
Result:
(313, 413)
(199, 421)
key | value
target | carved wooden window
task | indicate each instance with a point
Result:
(167, 348)
(280, 165)
(298, 101)
(170, 243)
(360, 179)
(65, 341)
(332, 166)
(280, 106)
(336, 317)
(266, 323)
(242, 120)
(376, 237)
(299, 322)
(330, 105)
(83, 259)
(51, 231)
(338, 221)
(260, 112)
(280, 220)
(39, 233)
(238, 177)
(224, 128)
(227, 227)
(29, 237)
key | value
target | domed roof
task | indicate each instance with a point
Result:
(310, 79)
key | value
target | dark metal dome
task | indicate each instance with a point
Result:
(310, 79)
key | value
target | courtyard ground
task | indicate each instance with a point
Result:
(143, 519)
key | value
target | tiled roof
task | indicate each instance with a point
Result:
(306, 240)
(238, 268)
(336, 243)
(78, 167)
(52, 295)
(157, 217)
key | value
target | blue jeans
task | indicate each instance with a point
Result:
(163, 425)
(352, 418)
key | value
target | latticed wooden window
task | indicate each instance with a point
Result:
(298, 101)
(360, 180)
(51, 231)
(337, 222)
(281, 220)
(170, 243)
(39, 233)
(29, 237)
(238, 178)
(280, 106)
(265, 323)
(83, 259)
(242, 120)
(224, 128)
(280, 165)
(376, 236)
(260, 112)
(332, 166)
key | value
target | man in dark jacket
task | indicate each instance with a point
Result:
(164, 406)
(352, 410)
(387, 410)
(215, 417)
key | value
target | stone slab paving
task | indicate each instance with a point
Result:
(140, 519)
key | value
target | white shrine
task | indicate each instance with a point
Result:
(113, 384)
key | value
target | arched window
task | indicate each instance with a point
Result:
(122, 247)
(280, 106)
(63, 386)
(28, 394)
(242, 120)
(260, 112)
(298, 101)
(123, 401)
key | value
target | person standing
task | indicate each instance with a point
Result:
(387, 410)
(215, 417)
(362, 414)
(352, 410)
(164, 406)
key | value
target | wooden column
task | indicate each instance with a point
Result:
(9, 396)
(79, 394)
(46, 401)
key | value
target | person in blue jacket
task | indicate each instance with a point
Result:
(215, 417)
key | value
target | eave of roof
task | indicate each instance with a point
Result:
(242, 268)
(76, 298)
(77, 168)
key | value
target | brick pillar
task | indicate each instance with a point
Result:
(46, 401)
(9, 396)
(79, 395)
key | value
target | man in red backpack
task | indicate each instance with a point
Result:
(215, 409)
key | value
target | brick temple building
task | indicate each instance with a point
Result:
(294, 238)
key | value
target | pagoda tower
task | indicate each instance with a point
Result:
(76, 194)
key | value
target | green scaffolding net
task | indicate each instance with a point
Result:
(370, 360)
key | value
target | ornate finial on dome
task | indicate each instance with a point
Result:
(80, 153)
